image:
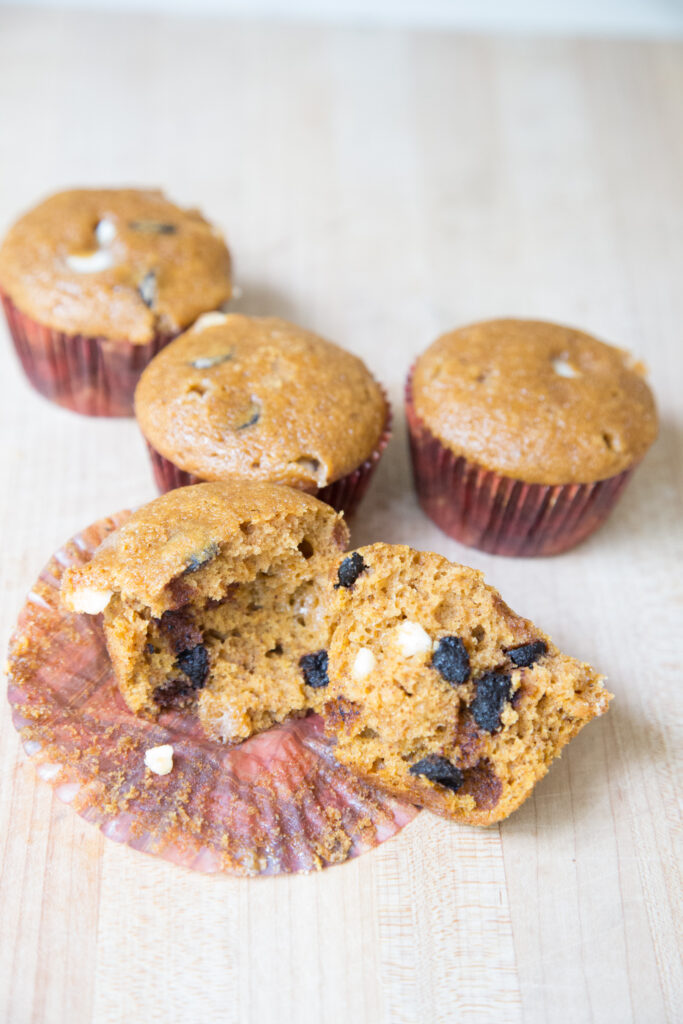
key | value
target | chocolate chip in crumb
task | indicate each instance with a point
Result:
(174, 693)
(153, 227)
(206, 362)
(148, 289)
(451, 660)
(314, 668)
(493, 691)
(249, 417)
(180, 629)
(439, 769)
(526, 654)
(349, 570)
(201, 558)
(194, 663)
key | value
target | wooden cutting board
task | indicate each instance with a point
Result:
(378, 187)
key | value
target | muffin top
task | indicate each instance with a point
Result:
(260, 398)
(535, 401)
(114, 263)
(182, 531)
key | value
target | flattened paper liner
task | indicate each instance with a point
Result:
(277, 803)
(496, 513)
(344, 494)
(92, 376)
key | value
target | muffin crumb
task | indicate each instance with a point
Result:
(159, 760)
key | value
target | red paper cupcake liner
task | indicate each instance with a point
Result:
(92, 376)
(277, 803)
(344, 494)
(496, 513)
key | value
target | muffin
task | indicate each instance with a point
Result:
(95, 282)
(276, 803)
(438, 692)
(235, 603)
(262, 399)
(211, 598)
(523, 434)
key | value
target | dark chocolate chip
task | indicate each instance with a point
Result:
(153, 227)
(180, 629)
(148, 289)
(439, 769)
(349, 570)
(173, 693)
(252, 416)
(194, 663)
(451, 660)
(201, 558)
(493, 691)
(206, 362)
(527, 654)
(314, 668)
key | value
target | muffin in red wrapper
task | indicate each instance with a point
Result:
(276, 803)
(95, 282)
(261, 399)
(523, 434)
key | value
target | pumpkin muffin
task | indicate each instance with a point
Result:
(262, 399)
(96, 281)
(234, 602)
(441, 694)
(211, 599)
(524, 433)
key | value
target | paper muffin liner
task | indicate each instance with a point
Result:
(344, 494)
(277, 803)
(496, 513)
(93, 376)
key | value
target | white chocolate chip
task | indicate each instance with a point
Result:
(563, 368)
(413, 639)
(214, 319)
(363, 664)
(105, 232)
(160, 759)
(89, 600)
(90, 262)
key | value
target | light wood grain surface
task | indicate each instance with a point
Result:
(378, 187)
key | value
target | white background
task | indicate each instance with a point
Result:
(610, 17)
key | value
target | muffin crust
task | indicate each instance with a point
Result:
(260, 398)
(122, 264)
(535, 401)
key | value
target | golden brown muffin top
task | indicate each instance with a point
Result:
(178, 533)
(260, 398)
(114, 263)
(535, 401)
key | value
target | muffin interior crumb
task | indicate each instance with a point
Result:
(435, 681)
(237, 625)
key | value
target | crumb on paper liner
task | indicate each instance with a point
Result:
(277, 803)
